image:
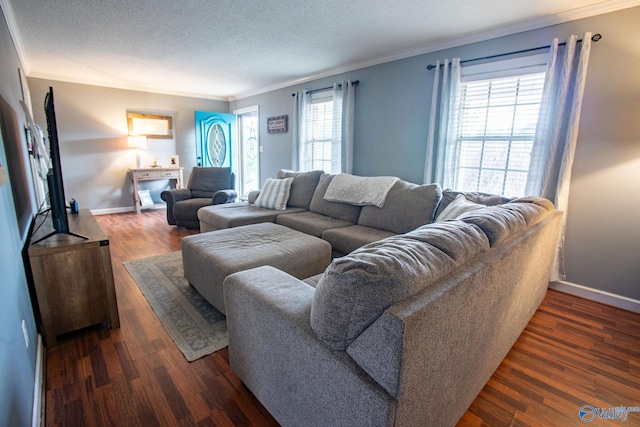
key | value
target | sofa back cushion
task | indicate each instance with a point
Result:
(460, 206)
(485, 199)
(302, 187)
(204, 181)
(357, 288)
(341, 211)
(407, 207)
(500, 222)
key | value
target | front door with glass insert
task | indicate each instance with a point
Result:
(214, 136)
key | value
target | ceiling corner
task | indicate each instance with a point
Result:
(15, 35)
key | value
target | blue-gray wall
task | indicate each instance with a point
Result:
(17, 362)
(391, 120)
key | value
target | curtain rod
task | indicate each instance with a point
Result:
(355, 83)
(594, 38)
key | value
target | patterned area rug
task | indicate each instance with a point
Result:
(195, 326)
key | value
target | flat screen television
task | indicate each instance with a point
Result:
(54, 177)
(57, 200)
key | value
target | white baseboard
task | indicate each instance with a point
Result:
(111, 211)
(37, 412)
(123, 210)
(597, 295)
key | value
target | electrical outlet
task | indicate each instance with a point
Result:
(25, 333)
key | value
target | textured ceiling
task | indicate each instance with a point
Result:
(229, 49)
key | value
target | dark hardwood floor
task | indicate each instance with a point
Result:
(573, 353)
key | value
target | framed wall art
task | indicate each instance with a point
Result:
(277, 124)
(150, 125)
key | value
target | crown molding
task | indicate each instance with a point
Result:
(533, 24)
(127, 86)
(572, 15)
(15, 34)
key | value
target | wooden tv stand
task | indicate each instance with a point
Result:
(73, 277)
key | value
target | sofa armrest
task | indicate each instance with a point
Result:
(276, 354)
(224, 196)
(175, 195)
(171, 197)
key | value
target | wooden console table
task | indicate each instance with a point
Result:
(151, 174)
(73, 277)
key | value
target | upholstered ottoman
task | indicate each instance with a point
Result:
(208, 258)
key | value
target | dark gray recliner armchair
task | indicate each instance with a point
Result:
(206, 186)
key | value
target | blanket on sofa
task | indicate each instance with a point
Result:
(359, 190)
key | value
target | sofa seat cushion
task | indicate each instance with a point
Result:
(408, 206)
(341, 211)
(311, 223)
(357, 288)
(348, 239)
(218, 217)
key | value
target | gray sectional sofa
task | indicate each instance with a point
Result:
(407, 326)
(345, 226)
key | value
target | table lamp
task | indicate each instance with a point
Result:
(138, 143)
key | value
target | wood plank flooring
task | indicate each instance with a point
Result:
(573, 353)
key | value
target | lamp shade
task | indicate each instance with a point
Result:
(136, 141)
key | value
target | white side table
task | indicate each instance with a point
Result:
(152, 174)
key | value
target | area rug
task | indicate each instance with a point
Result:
(195, 326)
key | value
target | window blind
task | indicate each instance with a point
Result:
(319, 128)
(495, 124)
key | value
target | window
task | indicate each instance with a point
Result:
(323, 138)
(494, 129)
(318, 142)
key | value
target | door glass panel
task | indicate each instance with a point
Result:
(249, 148)
(217, 145)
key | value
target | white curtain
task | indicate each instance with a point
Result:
(441, 138)
(557, 130)
(343, 105)
(343, 94)
(300, 107)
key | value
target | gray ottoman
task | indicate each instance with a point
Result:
(208, 258)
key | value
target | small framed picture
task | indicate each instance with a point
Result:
(145, 198)
(277, 124)
(174, 161)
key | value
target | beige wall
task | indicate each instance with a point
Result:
(92, 129)
(603, 226)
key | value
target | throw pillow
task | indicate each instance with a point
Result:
(274, 194)
(459, 206)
